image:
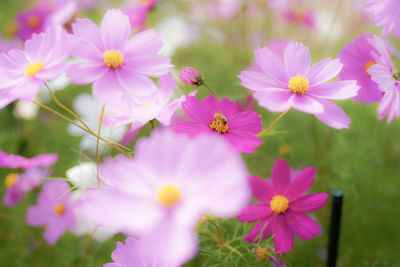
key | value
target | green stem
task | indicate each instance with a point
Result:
(97, 143)
(267, 130)
(211, 90)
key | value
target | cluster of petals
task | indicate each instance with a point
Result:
(294, 83)
(54, 209)
(142, 109)
(44, 14)
(221, 117)
(160, 195)
(386, 14)
(357, 57)
(283, 202)
(20, 184)
(117, 65)
(23, 72)
(388, 82)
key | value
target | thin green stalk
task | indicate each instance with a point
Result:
(267, 130)
(97, 143)
(211, 90)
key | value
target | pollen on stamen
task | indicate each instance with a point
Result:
(33, 21)
(169, 195)
(113, 58)
(11, 179)
(368, 65)
(59, 209)
(279, 204)
(33, 69)
(298, 84)
(220, 123)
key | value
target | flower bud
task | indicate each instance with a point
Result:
(190, 76)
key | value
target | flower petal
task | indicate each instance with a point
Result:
(275, 99)
(254, 213)
(262, 229)
(201, 111)
(261, 189)
(280, 176)
(302, 225)
(309, 203)
(307, 104)
(335, 90)
(333, 115)
(324, 70)
(256, 81)
(283, 234)
(115, 29)
(297, 59)
(271, 64)
(300, 185)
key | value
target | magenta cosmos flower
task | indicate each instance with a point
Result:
(118, 65)
(190, 76)
(22, 73)
(283, 203)
(224, 118)
(54, 209)
(388, 82)
(357, 57)
(160, 195)
(18, 185)
(46, 13)
(386, 14)
(294, 83)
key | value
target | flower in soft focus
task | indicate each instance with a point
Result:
(54, 209)
(264, 253)
(161, 193)
(277, 46)
(386, 14)
(26, 110)
(46, 13)
(22, 73)
(222, 118)
(144, 109)
(89, 110)
(8, 44)
(283, 203)
(83, 177)
(190, 76)
(118, 65)
(135, 253)
(18, 185)
(388, 81)
(301, 17)
(137, 16)
(357, 57)
(294, 83)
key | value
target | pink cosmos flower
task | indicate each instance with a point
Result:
(22, 73)
(160, 195)
(143, 109)
(54, 209)
(294, 83)
(118, 66)
(46, 13)
(305, 18)
(386, 14)
(20, 184)
(8, 44)
(357, 57)
(222, 118)
(388, 82)
(283, 203)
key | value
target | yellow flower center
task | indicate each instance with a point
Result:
(34, 68)
(59, 209)
(262, 253)
(144, 2)
(368, 65)
(298, 84)
(169, 195)
(11, 29)
(279, 204)
(33, 21)
(144, 106)
(11, 179)
(219, 124)
(113, 58)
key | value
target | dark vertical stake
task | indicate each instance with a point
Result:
(337, 200)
